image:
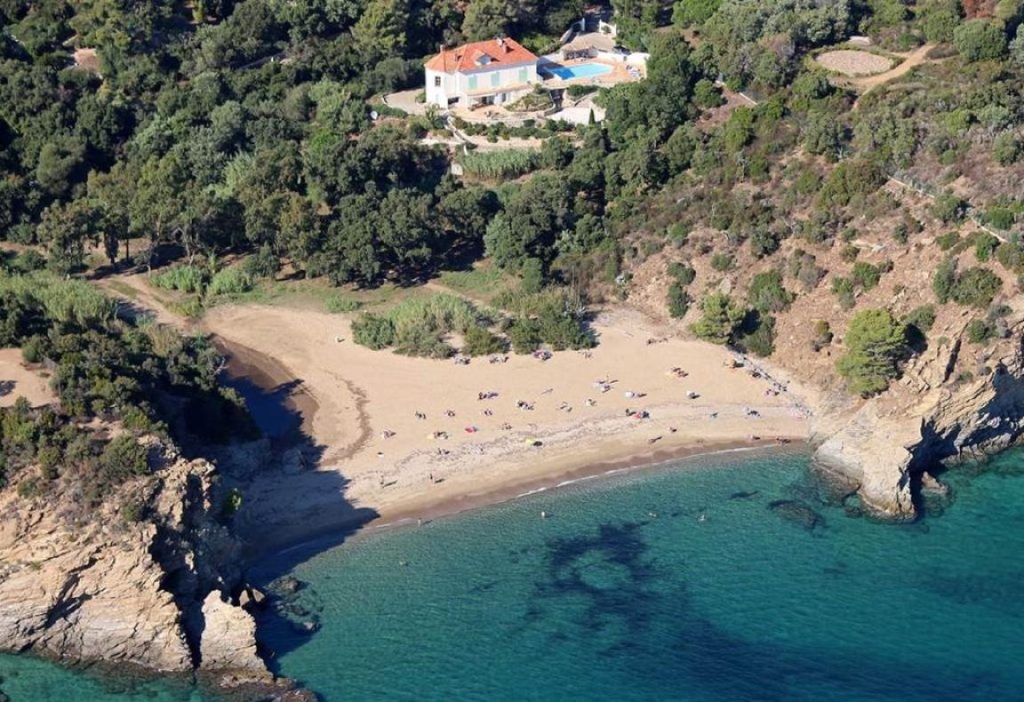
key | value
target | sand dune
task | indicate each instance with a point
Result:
(490, 447)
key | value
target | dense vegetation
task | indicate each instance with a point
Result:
(244, 128)
(145, 380)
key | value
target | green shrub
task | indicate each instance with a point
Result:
(875, 343)
(979, 331)
(262, 264)
(1000, 218)
(767, 293)
(373, 331)
(948, 208)
(678, 301)
(984, 246)
(720, 317)
(123, 458)
(524, 333)
(976, 287)
(481, 342)
(1007, 149)
(923, 318)
(722, 262)
(183, 278)
(230, 281)
(510, 163)
(844, 290)
(822, 335)
(944, 280)
(337, 303)
(866, 275)
(948, 240)
(980, 40)
(683, 273)
(757, 334)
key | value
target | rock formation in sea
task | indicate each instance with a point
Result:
(159, 592)
(949, 406)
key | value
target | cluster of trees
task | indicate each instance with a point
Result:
(148, 379)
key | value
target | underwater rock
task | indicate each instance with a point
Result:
(798, 513)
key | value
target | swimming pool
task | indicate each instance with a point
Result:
(581, 70)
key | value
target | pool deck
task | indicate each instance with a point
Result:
(618, 74)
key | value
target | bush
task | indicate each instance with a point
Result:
(337, 303)
(481, 342)
(678, 301)
(373, 331)
(722, 262)
(984, 245)
(1000, 218)
(262, 264)
(822, 335)
(944, 280)
(948, 208)
(757, 334)
(1007, 149)
(923, 318)
(844, 289)
(866, 275)
(683, 273)
(979, 331)
(524, 333)
(123, 458)
(980, 40)
(948, 240)
(767, 294)
(719, 320)
(183, 278)
(230, 281)
(976, 287)
(875, 343)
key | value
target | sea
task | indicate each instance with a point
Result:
(731, 577)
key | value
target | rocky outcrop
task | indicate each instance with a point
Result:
(87, 584)
(946, 408)
(228, 640)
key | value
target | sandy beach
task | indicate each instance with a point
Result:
(409, 438)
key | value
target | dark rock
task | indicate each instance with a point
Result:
(798, 513)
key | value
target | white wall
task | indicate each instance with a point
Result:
(457, 84)
(439, 95)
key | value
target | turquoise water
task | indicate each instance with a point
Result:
(625, 593)
(582, 70)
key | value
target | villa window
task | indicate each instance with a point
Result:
(437, 81)
(496, 78)
(523, 73)
(472, 82)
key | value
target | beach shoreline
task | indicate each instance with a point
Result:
(361, 480)
(499, 495)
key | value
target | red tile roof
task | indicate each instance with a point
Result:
(503, 52)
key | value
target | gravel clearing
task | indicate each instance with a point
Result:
(853, 63)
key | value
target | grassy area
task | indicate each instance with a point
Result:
(484, 283)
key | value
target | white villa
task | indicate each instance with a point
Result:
(492, 72)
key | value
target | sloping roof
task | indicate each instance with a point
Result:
(500, 52)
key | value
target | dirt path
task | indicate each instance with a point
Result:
(914, 59)
(137, 297)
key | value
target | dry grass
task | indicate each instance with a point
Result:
(853, 63)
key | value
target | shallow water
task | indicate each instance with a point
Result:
(730, 579)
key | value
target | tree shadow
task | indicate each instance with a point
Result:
(290, 511)
(6, 387)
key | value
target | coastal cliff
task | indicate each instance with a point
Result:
(151, 590)
(949, 406)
